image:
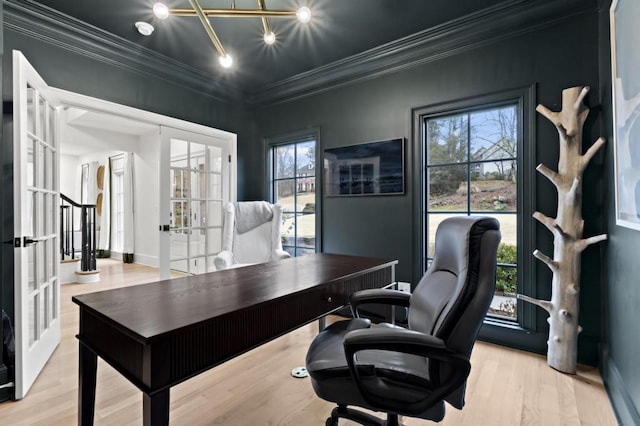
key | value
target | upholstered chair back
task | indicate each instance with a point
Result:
(453, 296)
(251, 234)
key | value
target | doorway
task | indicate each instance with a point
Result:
(182, 172)
(38, 135)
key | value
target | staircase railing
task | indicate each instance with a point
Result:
(87, 230)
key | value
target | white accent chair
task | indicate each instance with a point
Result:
(250, 235)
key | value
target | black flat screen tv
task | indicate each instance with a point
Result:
(372, 168)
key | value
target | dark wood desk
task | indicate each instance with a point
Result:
(160, 334)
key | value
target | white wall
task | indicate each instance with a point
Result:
(68, 168)
(109, 150)
(110, 140)
(147, 199)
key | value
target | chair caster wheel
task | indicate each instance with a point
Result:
(331, 422)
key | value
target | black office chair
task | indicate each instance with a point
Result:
(411, 372)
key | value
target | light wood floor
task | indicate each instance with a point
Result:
(506, 387)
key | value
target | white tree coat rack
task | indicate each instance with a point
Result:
(567, 228)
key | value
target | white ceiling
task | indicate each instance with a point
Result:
(92, 120)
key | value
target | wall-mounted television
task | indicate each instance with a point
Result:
(371, 168)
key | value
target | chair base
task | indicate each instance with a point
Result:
(365, 419)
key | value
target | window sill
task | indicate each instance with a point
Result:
(511, 334)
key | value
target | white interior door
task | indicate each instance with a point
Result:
(36, 201)
(195, 183)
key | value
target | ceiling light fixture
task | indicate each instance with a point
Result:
(144, 28)
(161, 10)
(303, 14)
(226, 61)
(269, 37)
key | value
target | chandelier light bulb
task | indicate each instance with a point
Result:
(269, 38)
(144, 28)
(226, 61)
(303, 14)
(161, 10)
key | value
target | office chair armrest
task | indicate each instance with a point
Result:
(223, 260)
(378, 296)
(409, 342)
(396, 340)
(279, 254)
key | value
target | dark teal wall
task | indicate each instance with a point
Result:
(621, 294)
(553, 58)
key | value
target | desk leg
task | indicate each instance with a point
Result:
(155, 408)
(87, 366)
(322, 323)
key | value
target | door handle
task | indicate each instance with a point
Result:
(26, 241)
(22, 242)
(164, 228)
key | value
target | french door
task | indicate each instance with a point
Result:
(36, 242)
(195, 182)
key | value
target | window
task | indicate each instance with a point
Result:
(477, 156)
(84, 184)
(471, 168)
(293, 180)
(117, 174)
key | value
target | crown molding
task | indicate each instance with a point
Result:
(505, 20)
(42, 23)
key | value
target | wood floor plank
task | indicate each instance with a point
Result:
(506, 386)
(513, 392)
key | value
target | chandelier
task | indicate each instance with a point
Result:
(162, 11)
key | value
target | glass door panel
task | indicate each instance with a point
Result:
(199, 176)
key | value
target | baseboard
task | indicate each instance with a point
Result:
(144, 259)
(625, 410)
